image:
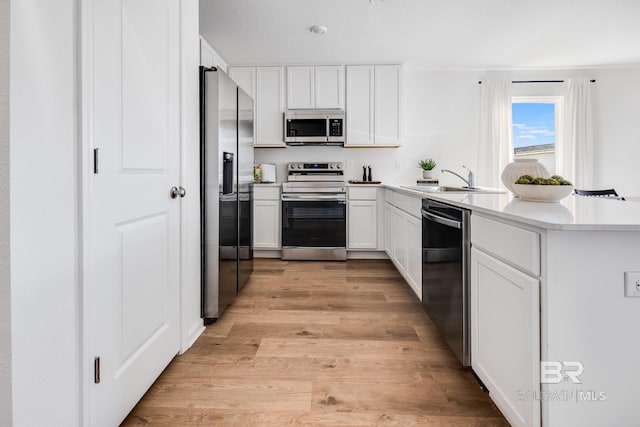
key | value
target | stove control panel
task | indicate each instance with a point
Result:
(310, 167)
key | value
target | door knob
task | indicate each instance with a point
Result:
(174, 192)
(182, 192)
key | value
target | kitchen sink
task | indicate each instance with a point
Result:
(443, 189)
(458, 189)
(449, 189)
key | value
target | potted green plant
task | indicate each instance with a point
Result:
(427, 166)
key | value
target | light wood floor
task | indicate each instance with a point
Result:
(319, 343)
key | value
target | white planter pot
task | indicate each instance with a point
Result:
(519, 167)
(427, 174)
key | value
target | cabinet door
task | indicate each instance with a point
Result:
(266, 224)
(414, 255)
(245, 77)
(399, 239)
(300, 87)
(269, 107)
(360, 104)
(387, 104)
(329, 87)
(363, 224)
(505, 336)
(388, 230)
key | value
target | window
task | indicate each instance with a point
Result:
(535, 122)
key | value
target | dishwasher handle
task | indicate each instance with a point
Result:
(440, 220)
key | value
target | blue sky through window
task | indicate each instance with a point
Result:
(533, 123)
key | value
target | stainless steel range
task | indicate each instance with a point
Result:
(314, 212)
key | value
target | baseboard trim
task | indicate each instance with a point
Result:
(266, 253)
(274, 253)
(367, 255)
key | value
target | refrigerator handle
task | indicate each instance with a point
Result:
(227, 173)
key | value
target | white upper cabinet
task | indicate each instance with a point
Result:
(360, 104)
(269, 106)
(329, 86)
(266, 86)
(300, 87)
(373, 105)
(315, 87)
(387, 104)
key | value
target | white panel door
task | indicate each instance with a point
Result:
(388, 229)
(505, 336)
(329, 86)
(360, 104)
(399, 238)
(133, 225)
(363, 224)
(300, 87)
(387, 104)
(269, 107)
(266, 224)
(414, 255)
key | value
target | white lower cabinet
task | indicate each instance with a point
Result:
(403, 237)
(399, 240)
(414, 254)
(363, 224)
(266, 217)
(362, 213)
(388, 232)
(505, 333)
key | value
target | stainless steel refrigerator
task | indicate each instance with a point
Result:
(226, 190)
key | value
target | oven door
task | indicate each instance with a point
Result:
(314, 223)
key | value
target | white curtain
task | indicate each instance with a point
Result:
(574, 159)
(496, 146)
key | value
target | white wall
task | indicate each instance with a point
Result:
(441, 121)
(5, 287)
(44, 252)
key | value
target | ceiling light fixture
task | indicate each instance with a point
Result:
(318, 29)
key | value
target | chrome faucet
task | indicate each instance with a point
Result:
(469, 181)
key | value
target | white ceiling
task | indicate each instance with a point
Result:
(438, 34)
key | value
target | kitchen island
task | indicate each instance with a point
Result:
(548, 285)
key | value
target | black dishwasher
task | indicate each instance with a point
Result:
(445, 273)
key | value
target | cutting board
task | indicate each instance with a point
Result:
(352, 181)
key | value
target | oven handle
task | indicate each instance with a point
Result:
(314, 197)
(440, 220)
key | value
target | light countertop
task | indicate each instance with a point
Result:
(267, 184)
(572, 213)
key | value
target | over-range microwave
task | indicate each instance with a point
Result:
(314, 127)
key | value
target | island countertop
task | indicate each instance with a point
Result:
(572, 213)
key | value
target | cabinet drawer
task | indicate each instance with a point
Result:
(363, 193)
(516, 245)
(266, 193)
(409, 204)
(388, 196)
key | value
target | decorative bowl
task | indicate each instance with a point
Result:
(542, 193)
(519, 167)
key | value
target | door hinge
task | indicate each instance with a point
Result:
(95, 160)
(96, 370)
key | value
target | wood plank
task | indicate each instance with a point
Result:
(358, 349)
(319, 343)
